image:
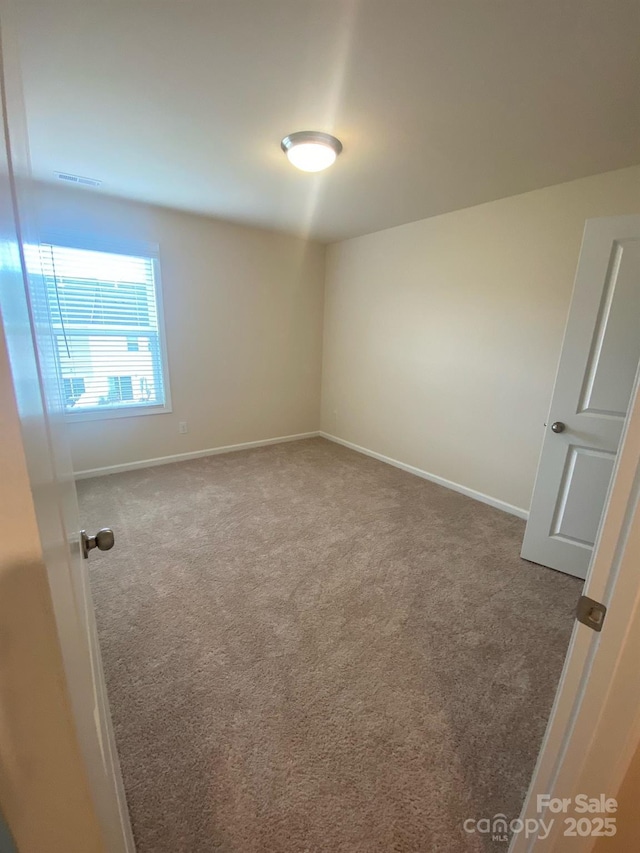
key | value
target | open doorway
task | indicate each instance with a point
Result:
(304, 645)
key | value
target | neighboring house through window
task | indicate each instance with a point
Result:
(74, 388)
(105, 312)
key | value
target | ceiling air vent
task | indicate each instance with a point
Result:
(77, 179)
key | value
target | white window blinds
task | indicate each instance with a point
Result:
(104, 314)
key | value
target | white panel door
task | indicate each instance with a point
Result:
(598, 364)
(30, 344)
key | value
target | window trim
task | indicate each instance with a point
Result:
(140, 250)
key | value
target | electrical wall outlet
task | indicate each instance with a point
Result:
(182, 427)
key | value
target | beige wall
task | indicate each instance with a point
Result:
(442, 337)
(43, 789)
(243, 312)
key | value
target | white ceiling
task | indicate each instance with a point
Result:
(440, 104)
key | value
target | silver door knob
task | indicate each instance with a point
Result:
(104, 540)
(557, 426)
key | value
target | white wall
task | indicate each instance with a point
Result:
(243, 310)
(442, 337)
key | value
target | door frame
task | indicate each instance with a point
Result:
(593, 731)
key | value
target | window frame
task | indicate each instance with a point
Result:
(151, 252)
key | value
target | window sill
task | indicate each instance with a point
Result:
(128, 412)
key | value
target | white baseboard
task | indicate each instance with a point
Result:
(456, 487)
(195, 454)
(247, 445)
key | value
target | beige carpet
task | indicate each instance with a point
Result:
(309, 650)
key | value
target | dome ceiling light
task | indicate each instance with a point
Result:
(310, 150)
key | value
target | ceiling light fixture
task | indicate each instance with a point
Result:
(310, 150)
